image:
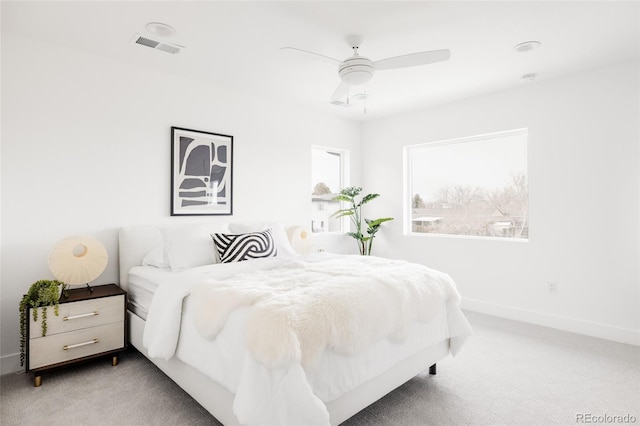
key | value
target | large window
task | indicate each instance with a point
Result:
(475, 186)
(328, 177)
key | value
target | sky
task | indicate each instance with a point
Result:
(326, 168)
(487, 162)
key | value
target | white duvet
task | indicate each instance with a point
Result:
(245, 326)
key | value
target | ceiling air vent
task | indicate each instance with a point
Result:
(157, 45)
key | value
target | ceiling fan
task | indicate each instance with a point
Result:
(358, 70)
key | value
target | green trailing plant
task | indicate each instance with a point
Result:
(354, 211)
(41, 294)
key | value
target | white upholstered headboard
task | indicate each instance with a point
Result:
(134, 243)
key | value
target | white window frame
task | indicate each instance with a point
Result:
(408, 191)
(344, 182)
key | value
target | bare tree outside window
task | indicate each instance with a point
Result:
(418, 202)
(321, 188)
(476, 186)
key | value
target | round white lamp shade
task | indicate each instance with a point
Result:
(300, 239)
(78, 260)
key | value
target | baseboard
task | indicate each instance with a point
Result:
(10, 364)
(587, 328)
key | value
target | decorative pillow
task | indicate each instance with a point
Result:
(239, 247)
(277, 231)
(157, 258)
(188, 246)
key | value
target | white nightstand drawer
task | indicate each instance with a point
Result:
(61, 347)
(78, 315)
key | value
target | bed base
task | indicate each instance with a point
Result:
(219, 401)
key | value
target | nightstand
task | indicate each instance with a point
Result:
(90, 324)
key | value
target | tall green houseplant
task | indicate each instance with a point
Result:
(354, 211)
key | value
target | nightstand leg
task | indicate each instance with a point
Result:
(114, 361)
(37, 381)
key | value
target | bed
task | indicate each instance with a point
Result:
(244, 374)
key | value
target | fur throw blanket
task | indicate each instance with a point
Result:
(342, 303)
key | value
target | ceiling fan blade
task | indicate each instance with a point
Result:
(340, 91)
(317, 56)
(413, 59)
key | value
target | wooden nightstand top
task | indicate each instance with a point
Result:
(99, 291)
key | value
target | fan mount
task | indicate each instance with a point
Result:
(356, 70)
(354, 40)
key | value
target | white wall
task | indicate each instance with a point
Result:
(86, 149)
(584, 213)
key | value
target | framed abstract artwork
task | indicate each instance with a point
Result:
(201, 173)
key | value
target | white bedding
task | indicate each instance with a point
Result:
(287, 395)
(142, 285)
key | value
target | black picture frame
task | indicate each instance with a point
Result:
(201, 173)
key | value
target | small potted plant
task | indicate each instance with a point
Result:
(41, 294)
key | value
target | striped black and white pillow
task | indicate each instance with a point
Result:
(239, 247)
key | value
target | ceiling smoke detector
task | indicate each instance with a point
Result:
(527, 46)
(528, 78)
(160, 29)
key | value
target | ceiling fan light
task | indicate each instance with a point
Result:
(361, 96)
(357, 77)
(340, 103)
(356, 70)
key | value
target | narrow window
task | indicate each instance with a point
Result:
(475, 186)
(328, 177)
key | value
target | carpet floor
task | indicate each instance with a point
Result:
(509, 373)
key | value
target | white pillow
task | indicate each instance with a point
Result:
(188, 246)
(157, 258)
(277, 231)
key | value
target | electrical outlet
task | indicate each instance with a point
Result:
(320, 250)
(552, 287)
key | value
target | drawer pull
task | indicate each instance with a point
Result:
(77, 345)
(90, 314)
